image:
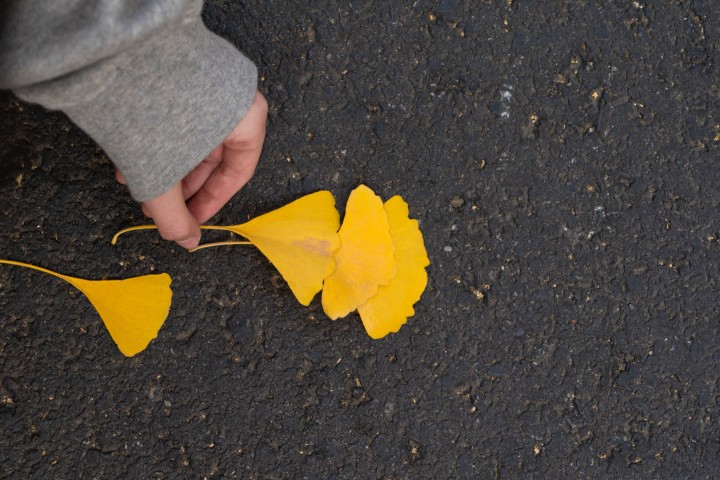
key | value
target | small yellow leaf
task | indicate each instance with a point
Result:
(133, 309)
(364, 260)
(387, 311)
(299, 239)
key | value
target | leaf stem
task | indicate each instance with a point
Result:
(153, 227)
(34, 267)
(218, 244)
(131, 229)
(217, 227)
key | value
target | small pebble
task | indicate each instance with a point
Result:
(457, 202)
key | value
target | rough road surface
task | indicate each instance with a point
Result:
(562, 159)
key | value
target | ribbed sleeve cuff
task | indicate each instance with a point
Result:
(168, 103)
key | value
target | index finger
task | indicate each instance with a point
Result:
(228, 178)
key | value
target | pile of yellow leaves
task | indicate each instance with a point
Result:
(374, 263)
(380, 265)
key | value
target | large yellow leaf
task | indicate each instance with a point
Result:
(389, 309)
(133, 309)
(364, 260)
(299, 239)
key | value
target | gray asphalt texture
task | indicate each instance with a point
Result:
(562, 159)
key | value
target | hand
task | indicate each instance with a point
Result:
(179, 212)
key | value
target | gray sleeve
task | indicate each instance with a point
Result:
(146, 80)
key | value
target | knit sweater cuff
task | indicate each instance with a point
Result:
(159, 108)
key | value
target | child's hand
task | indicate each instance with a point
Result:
(205, 190)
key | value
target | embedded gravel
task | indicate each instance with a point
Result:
(562, 159)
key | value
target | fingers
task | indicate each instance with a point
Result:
(224, 182)
(240, 154)
(194, 180)
(120, 178)
(173, 219)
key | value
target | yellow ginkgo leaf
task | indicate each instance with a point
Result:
(133, 309)
(299, 239)
(365, 258)
(387, 311)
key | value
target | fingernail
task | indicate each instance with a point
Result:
(188, 243)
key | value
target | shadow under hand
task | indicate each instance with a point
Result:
(17, 123)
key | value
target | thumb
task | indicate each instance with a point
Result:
(173, 219)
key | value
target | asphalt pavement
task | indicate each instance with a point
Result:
(562, 160)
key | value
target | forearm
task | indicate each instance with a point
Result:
(148, 82)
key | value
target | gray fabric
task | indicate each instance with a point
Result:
(146, 80)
